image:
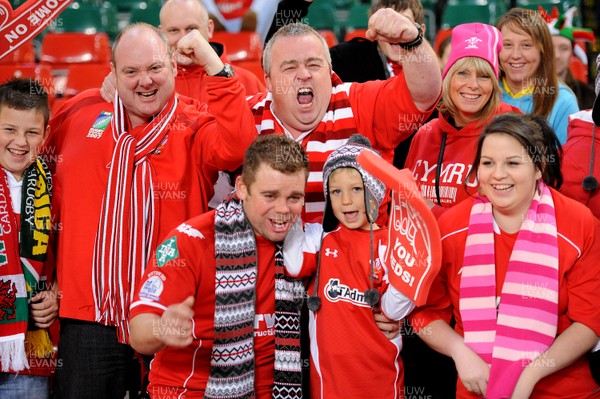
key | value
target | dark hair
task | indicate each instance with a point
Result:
(25, 94)
(536, 136)
(295, 29)
(531, 22)
(277, 151)
(400, 5)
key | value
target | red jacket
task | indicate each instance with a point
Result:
(577, 154)
(185, 168)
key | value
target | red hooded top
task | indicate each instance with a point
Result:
(457, 161)
(577, 154)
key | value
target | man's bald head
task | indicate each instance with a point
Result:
(145, 71)
(161, 47)
(181, 16)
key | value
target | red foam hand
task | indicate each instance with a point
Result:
(24, 23)
(5, 12)
(414, 252)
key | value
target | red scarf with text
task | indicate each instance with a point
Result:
(23, 250)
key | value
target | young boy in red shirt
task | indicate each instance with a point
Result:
(351, 279)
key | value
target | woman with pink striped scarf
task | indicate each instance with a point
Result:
(520, 274)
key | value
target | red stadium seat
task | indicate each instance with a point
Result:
(329, 37)
(244, 45)
(351, 34)
(439, 38)
(253, 66)
(84, 76)
(62, 49)
(25, 54)
(42, 73)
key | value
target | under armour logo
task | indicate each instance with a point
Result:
(329, 252)
(472, 42)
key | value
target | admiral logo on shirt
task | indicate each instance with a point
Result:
(335, 291)
(99, 125)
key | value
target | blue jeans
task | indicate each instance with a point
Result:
(24, 386)
(92, 364)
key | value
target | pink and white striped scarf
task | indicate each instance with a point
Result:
(127, 231)
(524, 325)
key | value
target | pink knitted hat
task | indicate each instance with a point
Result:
(475, 40)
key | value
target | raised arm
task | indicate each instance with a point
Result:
(224, 137)
(420, 64)
(194, 46)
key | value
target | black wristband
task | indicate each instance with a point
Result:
(416, 42)
(226, 72)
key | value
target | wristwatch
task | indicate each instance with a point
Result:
(226, 72)
(416, 42)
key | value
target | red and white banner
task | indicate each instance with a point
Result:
(414, 252)
(24, 23)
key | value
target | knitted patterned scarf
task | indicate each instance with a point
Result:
(127, 230)
(22, 264)
(332, 132)
(232, 361)
(524, 326)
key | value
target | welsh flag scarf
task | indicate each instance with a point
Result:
(232, 360)
(127, 231)
(524, 325)
(21, 265)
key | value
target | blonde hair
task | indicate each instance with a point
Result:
(482, 68)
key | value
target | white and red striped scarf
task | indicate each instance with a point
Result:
(331, 133)
(525, 323)
(127, 231)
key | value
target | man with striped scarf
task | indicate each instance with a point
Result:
(126, 173)
(308, 102)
